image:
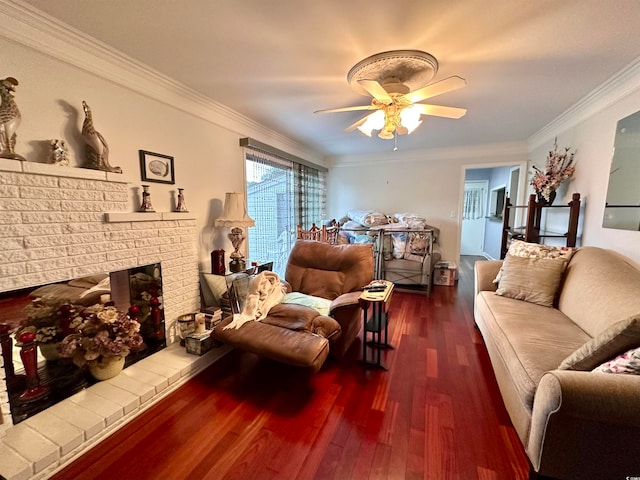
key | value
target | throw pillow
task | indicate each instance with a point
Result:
(616, 339)
(628, 362)
(418, 243)
(319, 304)
(534, 280)
(518, 248)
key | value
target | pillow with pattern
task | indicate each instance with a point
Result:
(518, 248)
(628, 362)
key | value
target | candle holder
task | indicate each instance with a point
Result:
(182, 205)
(146, 200)
(29, 356)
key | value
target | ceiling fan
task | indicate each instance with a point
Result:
(396, 80)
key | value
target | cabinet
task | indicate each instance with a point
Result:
(533, 215)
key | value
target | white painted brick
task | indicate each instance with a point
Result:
(73, 206)
(29, 230)
(28, 180)
(14, 466)
(45, 241)
(120, 197)
(128, 400)
(87, 421)
(9, 218)
(83, 184)
(129, 234)
(122, 256)
(41, 193)
(116, 227)
(99, 247)
(11, 243)
(10, 270)
(22, 205)
(66, 436)
(153, 225)
(32, 446)
(9, 191)
(108, 410)
(65, 262)
(62, 217)
(76, 194)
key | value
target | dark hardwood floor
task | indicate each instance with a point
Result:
(435, 414)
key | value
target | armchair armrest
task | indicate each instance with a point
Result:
(485, 272)
(585, 425)
(345, 300)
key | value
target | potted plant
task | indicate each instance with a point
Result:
(558, 168)
(103, 338)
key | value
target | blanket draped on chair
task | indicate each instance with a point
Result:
(265, 291)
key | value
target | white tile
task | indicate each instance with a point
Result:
(143, 391)
(171, 373)
(141, 375)
(108, 410)
(12, 465)
(84, 419)
(29, 444)
(107, 390)
(67, 436)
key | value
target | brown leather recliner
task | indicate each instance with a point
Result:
(296, 334)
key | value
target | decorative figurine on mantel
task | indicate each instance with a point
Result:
(146, 200)
(97, 147)
(182, 205)
(10, 119)
(59, 154)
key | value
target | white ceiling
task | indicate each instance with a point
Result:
(525, 62)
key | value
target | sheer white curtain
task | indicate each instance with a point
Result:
(473, 206)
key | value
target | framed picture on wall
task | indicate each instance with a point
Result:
(156, 167)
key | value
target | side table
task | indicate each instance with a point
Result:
(378, 323)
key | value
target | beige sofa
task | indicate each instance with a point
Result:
(573, 424)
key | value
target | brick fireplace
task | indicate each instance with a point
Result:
(58, 223)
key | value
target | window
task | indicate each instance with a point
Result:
(281, 194)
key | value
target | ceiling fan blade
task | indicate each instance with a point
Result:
(355, 125)
(440, 111)
(376, 90)
(347, 109)
(438, 88)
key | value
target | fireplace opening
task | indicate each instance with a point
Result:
(32, 388)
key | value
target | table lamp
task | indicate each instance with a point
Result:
(235, 215)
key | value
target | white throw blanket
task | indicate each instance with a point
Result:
(265, 291)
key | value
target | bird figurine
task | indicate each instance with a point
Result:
(10, 119)
(97, 147)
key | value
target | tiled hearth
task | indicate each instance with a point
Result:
(42, 444)
(58, 223)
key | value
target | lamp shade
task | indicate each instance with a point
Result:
(235, 212)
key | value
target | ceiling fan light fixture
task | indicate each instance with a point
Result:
(375, 121)
(410, 118)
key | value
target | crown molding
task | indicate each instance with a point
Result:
(493, 151)
(28, 26)
(623, 83)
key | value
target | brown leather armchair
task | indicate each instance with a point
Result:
(297, 334)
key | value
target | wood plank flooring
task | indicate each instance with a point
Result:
(435, 414)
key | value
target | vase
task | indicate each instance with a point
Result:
(107, 368)
(544, 201)
(49, 351)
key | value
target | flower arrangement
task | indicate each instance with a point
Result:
(44, 317)
(101, 331)
(558, 168)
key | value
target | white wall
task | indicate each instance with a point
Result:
(593, 138)
(428, 183)
(134, 109)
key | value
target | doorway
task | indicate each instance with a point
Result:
(474, 212)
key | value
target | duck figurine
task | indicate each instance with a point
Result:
(97, 147)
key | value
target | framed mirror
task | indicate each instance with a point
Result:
(622, 207)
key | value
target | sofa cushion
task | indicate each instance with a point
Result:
(518, 248)
(599, 289)
(534, 280)
(628, 362)
(616, 339)
(529, 339)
